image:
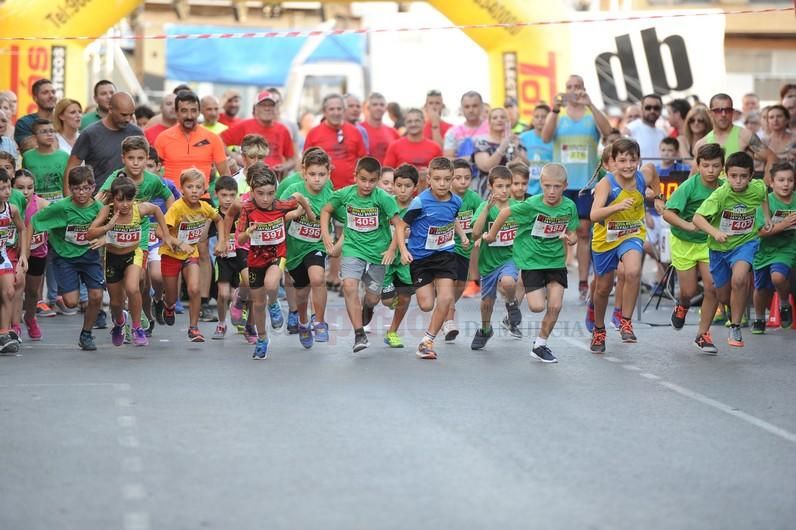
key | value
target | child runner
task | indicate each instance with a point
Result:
(433, 224)
(367, 212)
(387, 180)
(520, 175)
(619, 233)
(46, 162)
(229, 266)
(495, 262)
(12, 228)
(76, 256)
(690, 245)
(777, 254)
(187, 221)
(124, 225)
(262, 223)
(545, 222)
(728, 217)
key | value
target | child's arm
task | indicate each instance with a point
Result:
(229, 218)
(147, 208)
(245, 234)
(671, 217)
(222, 241)
(652, 180)
(702, 224)
(497, 224)
(304, 203)
(599, 211)
(99, 228)
(777, 228)
(400, 235)
(766, 215)
(326, 214)
(390, 252)
(23, 240)
(480, 222)
(570, 237)
(457, 226)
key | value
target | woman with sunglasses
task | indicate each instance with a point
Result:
(697, 125)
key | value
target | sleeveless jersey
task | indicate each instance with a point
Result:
(621, 226)
(731, 145)
(38, 243)
(8, 233)
(127, 235)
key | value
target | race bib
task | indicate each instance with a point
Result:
(8, 235)
(38, 239)
(574, 154)
(153, 236)
(780, 215)
(124, 236)
(505, 236)
(616, 230)
(51, 195)
(76, 234)
(231, 244)
(305, 230)
(736, 223)
(362, 219)
(465, 219)
(191, 231)
(549, 227)
(439, 237)
(271, 233)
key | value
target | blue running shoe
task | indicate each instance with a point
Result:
(616, 319)
(321, 332)
(179, 308)
(590, 317)
(305, 335)
(292, 323)
(275, 312)
(260, 350)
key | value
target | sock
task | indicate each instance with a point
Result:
(84, 332)
(487, 329)
(429, 337)
(205, 301)
(583, 284)
(539, 342)
(735, 325)
(359, 331)
(598, 328)
(136, 324)
(617, 310)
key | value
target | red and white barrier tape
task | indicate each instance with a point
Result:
(317, 33)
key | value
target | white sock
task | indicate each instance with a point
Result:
(539, 342)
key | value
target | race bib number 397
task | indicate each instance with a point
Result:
(270, 233)
(362, 219)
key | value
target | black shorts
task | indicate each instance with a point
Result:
(228, 269)
(462, 267)
(116, 264)
(582, 202)
(397, 287)
(301, 274)
(36, 265)
(257, 275)
(538, 279)
(437, 265)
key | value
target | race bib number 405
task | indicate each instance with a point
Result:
(735, 223)
(362, 219)
(505, 236)
(124, 235)
(77, 234)
(191, 231)
(305, 230)
(439, 237)
(270, 233)
(616, 230)
(549, 227)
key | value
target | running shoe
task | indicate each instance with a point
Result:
(275, 312)
(471, 290)
(360, 342)
(367, 314)
(62, 309)
(598, 340)
(260, 350)
(168, 315)
(758, 326)
(589, 317)
(244, 318)
(785, 316)
(678, 316)
(117, 334)
(292, 322)
(206, 314)
(220, 332)
(321, 332)
(8, 345)
(392, 340)
(139, 337)
(513, 330)
(305, 335)
(236, 310)
(450, 331)
(102, 320)
(44, 310)
(705, 343)
(514, 313)
(616, 318)
(544, 354)
(250, 333)
(128, 329)
(150, 328)
(425, 350)
(721, 316)
(744, 321)
(481, 338)
(158, 308)
(194, 335)
(15, 336)
(583, 291)
(179, 308)
(735, 338)
(34, 332)
(626, 331)
(86, 341)
(144, 321)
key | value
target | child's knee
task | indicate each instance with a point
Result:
(95, 295)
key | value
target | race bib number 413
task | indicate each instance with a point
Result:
(362, 219)
(505, 236)
(77, 234)
(735, 223)
(549, 227)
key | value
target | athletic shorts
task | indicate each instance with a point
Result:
(489, 282)
(608, 261)
(582, 202)
(71, 271)
(228, 269)
(763, 275)
(397, 280)
(257, 275)
(116, 264)
(462, 267)
(534, 280)
(154, 256)
(371, 274)
(301, 274)
(37, 265)
(171, 267)
(687, 254)
(438, 265)
(721, 263)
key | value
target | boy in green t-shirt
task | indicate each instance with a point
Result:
(495, 261)
(135, 155)
(546, 222)
(728, 217)
(689, 245)
(466, 257)
(77, 258)
(398, 286)
(777, 254)
(369, 212)
(46, 162)
(306, 254)
(12, 271)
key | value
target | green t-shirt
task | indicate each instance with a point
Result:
(48, 172)
(780, 248)
(287, 182)
(495, 254)
(67, 224)
(151, 186)
(303, 235)
(733, 213)
(685, 200)
(466, 216)
(366, 221)
(396, 268)
(88, 119)
(537, 245)
(18, 200)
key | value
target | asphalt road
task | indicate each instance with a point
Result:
(186, 436)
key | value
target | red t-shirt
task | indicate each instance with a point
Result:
(228, 121)
(267, 243)
(276, 134)
(419, 154)
(344, 154)
(153, 132)
(379, 138)
(443, 128)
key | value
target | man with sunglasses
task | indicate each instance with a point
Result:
(734, 138)
(644, 131)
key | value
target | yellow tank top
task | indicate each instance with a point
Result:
(621, 226)
(126, 235)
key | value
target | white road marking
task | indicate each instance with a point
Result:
(136, 521)
(631, 367)
(34, 385)
(613, 359)
(576, 343)
(122, 387)
(133, 492)
(123, 402)
(128, 441)
(650, 376)
(126, 422)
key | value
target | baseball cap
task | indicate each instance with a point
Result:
(265, 96)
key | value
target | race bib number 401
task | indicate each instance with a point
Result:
(439, 237)
(362, 219)
(77, 234)
(270, 233)
(124, 235)
(549, 227)
(191, 231)
(734, 223)
(616, 230)
(305, 230)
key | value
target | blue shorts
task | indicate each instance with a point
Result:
(763, 276)
(582, 202)
(71, 271)
(489, 282)
(608, 261)
(721, 263)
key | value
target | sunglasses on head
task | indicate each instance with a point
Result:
(722, 110)
(652, 107)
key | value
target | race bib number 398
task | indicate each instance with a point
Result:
(548, 227)
(362, 219)
(439, 237)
